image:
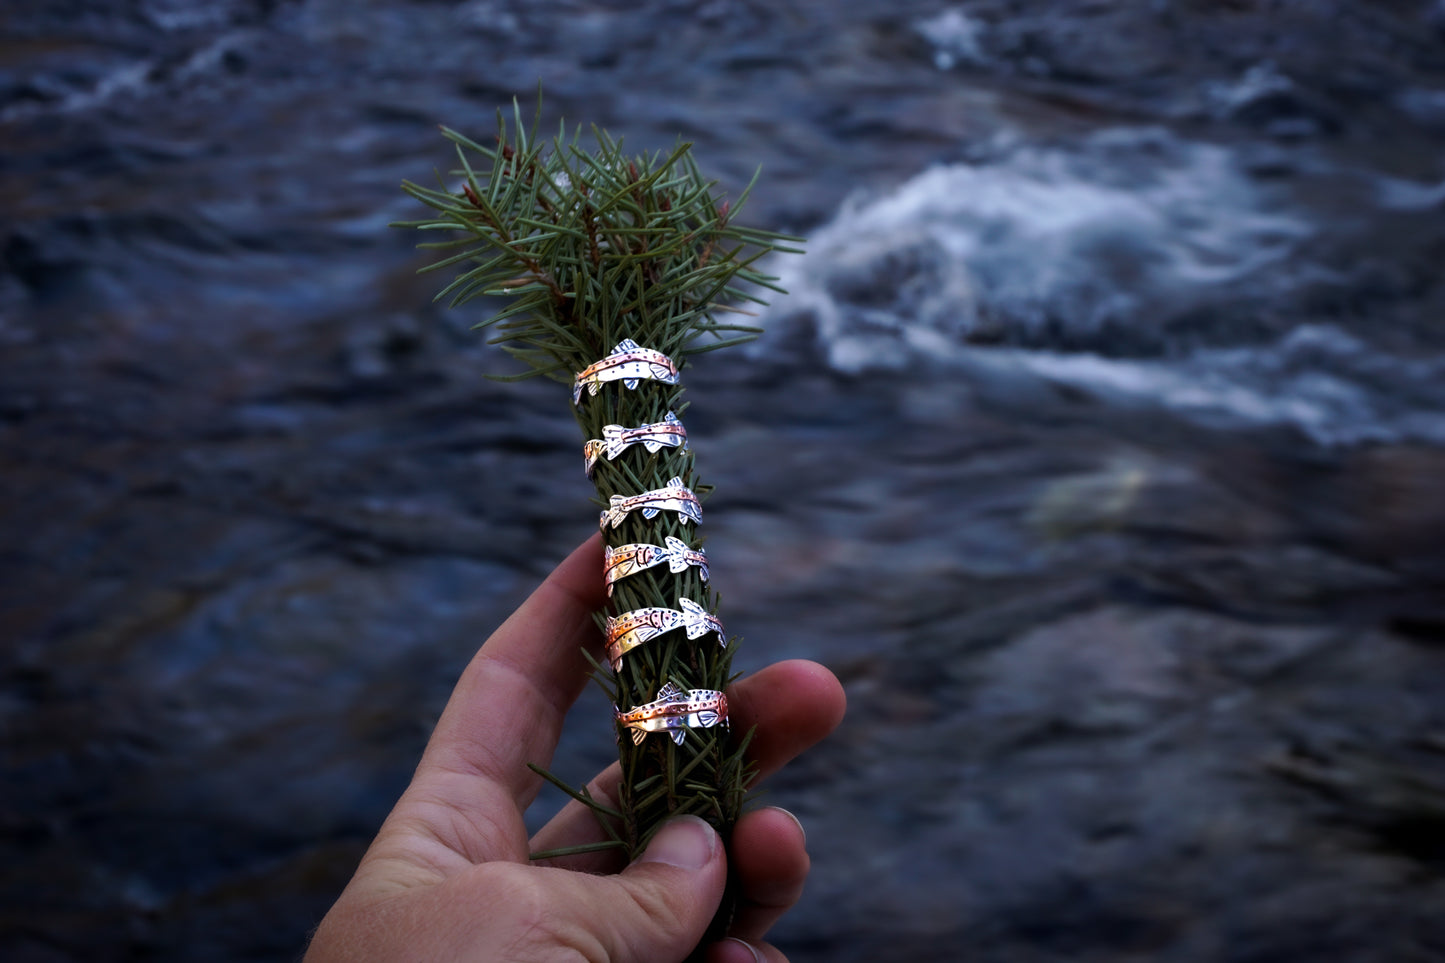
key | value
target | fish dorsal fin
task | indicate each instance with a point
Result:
(671, 419)
(689, 607)
(618, 500)
(676, 482)
(670, 692)
(625, 345)
(675, 544)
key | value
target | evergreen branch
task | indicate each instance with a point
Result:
(591, 247)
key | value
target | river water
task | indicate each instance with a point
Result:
(1098, 448)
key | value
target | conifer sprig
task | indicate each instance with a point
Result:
(592, 248)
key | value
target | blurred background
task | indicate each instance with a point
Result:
(1098, 449)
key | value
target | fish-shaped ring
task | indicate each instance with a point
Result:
(676, 497)
(667, 433)
(625, 560)
(627, 631)
(675, 711)
(629, 363)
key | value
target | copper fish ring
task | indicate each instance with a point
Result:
(675, 711)
(628, 363)
(627, 631)
(625, 560)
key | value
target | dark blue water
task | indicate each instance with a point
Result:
(1098, 449)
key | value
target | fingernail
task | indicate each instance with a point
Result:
(757, 957)
(796, 821)
(686, 841)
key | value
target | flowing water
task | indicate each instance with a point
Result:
(1098, 448)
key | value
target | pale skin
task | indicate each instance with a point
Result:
(448, 876)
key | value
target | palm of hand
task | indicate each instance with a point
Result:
(448, 876)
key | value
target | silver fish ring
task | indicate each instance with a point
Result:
(629, 363)
(625, 560)
(627, 631)
(676, 497)
(667, 433)
(675, 711)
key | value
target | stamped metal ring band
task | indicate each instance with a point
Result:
(625, 560)
(629, 363)
(675, 497)
(675, 711)
(627, 631)
(667, 433)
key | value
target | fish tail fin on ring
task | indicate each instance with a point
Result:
(612, 439)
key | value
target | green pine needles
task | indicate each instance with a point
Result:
(593, 249)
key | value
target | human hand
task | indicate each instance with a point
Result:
(448, 876)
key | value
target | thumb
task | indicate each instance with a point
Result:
(667, 897)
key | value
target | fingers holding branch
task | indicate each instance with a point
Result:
(791, 706)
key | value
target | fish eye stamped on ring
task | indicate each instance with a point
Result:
(591, 451)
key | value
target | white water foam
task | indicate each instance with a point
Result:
(1103, 267)
(1321, 380)
(954, 36)
(1043, 244)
